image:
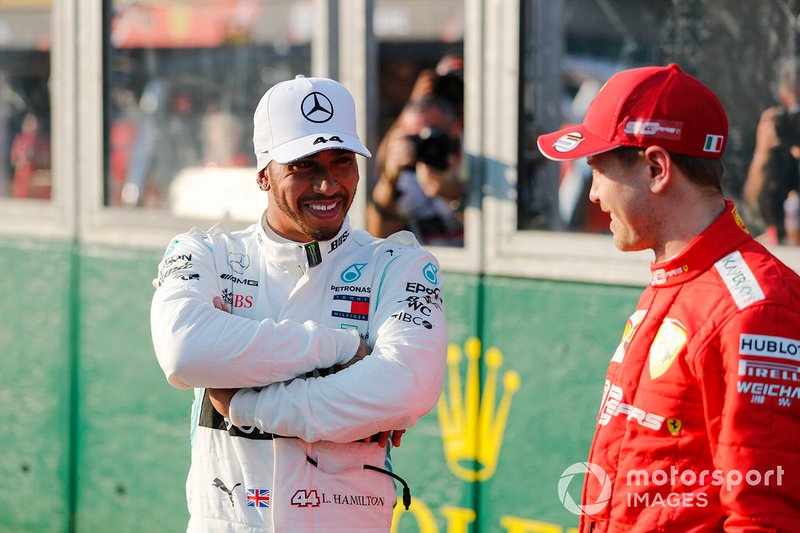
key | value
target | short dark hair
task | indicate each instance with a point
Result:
(702, 171)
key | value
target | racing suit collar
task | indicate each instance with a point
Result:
(725, 234)
(281, 251)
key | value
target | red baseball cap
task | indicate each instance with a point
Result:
(644, 107)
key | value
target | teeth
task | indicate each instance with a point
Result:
(318, 207)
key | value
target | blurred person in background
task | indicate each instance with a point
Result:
(771, 189)
(420, 186)
(30, 157)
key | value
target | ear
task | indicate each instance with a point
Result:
(659, 165)
(263, 179)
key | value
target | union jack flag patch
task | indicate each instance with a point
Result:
(258, 497)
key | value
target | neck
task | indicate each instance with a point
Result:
(687, 219)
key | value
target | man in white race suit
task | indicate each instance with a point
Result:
(273, 327)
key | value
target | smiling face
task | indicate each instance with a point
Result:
(309, 198)
(621, 189)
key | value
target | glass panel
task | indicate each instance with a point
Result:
(25, 169)
(420, 58)
(734, 46)
(183, 79)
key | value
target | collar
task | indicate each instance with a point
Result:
(282, 251)
(725, 234)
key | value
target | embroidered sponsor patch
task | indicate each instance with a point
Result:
(258, 497)
(669, 341)
(739, 279)
(350, 306)
(627, 335)
(769, 346)
(568, 142)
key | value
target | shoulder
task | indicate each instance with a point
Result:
(752, 275)
(216, 234)
(401, 248)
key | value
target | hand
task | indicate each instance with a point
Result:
(400, 154)
(766, 134)
(221, 400)
(219, 304)
(363, 351)
(444, 183)
(383, 437)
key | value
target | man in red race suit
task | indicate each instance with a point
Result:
(700, 415)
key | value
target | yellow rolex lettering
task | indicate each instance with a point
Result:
(513, 524)
(426, 523)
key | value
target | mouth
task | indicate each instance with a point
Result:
(326, 209)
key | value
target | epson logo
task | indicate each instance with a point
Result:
(240, 281)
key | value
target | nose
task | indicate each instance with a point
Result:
(593, 196)
(326, 184)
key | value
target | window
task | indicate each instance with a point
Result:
(570, 48)
(420, 49)
(25, 117)
(182, 82)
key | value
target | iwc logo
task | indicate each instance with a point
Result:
(317, 108)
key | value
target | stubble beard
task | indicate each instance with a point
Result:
(315, 234)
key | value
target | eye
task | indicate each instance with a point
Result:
(346, 159)
(301, 165)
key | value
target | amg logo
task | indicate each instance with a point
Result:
(234, 279)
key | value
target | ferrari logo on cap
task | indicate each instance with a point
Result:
(568, 142)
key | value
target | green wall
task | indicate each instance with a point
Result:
(90, 421)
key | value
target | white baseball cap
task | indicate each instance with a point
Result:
(303, 116)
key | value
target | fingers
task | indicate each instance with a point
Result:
(219, 304)
(397, 435)
(383, 438)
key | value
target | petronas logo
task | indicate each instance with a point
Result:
(473, 423)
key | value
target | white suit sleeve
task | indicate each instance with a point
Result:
(400, 381)
(198, 345)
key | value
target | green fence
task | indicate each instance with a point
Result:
(94, 438)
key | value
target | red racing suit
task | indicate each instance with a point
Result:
(699, 424)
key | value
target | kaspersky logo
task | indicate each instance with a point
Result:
(472, 424)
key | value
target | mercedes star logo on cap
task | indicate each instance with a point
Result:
(317, 107)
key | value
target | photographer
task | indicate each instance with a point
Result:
(420, 187)
(774, 174)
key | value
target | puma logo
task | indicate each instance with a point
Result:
(221, 486)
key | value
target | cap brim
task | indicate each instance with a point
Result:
(312, 144)
(572, 142)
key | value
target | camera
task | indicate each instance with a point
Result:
(787, 126)
(433, 145)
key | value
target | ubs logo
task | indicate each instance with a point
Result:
(317, 108)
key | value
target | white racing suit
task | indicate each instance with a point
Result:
(295, 461)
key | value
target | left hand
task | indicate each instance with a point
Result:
(383, 437)
(221, 400)
(445, 183)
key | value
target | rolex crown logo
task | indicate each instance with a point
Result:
(472, 425)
